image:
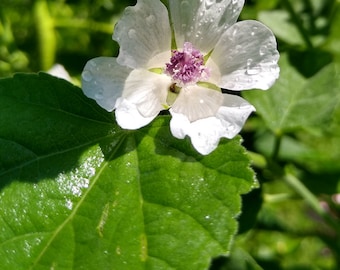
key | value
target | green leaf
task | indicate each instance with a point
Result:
(279, 22)
(78, 192)
(295, 103)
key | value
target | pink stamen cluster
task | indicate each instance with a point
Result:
(187, 67)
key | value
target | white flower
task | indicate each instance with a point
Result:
(59, 71)
(212, 51)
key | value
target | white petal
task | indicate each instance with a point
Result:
(59, 71)
(203, 22)
(128, 116)
(142, 33)
(103, 80)
(205, 133)
(247, 57)
(179, 124)
(197, 102)
(233, 114)
(147, 91)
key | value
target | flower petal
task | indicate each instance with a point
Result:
(128, 116)
(197, 102)
(179, 124)
(205, 133)
(103, 80)
(247, 57)
(233, 114)
(59, 71)
(142, 33)
(203, 22)
(147, 91)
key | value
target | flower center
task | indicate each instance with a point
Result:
(187, 67)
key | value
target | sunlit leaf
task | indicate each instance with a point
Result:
(295, 103)
(77, 192)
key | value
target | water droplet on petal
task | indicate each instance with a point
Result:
(251, 69)
(209, 3)
(263, 49)
(87, 76)
(132, 34)
(198, 34)
(235, 31)
(185, 6)
(99, 94)
(150, 20)
(93, 64)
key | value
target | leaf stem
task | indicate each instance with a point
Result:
(310, 198)
(257, 160)
(298, 22)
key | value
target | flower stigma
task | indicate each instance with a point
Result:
(186, 67)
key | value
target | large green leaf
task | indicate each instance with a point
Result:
(295, 103)
(78, 192)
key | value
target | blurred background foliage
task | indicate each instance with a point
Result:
(286, 224)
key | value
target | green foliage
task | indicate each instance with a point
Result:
(297, 99)
(78, 192)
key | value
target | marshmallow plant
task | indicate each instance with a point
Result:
(180, 61)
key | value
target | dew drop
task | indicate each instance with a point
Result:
(253, 70)
(263, 50)
(185, 6)
(209, 3)
(87, 76)
(238, 48)
(234, 32)
(99, 94)
(132, 33)
(150, 20)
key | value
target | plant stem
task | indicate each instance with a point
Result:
(257, 160)
(46, 35)
(310, 198)
(298, 22)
